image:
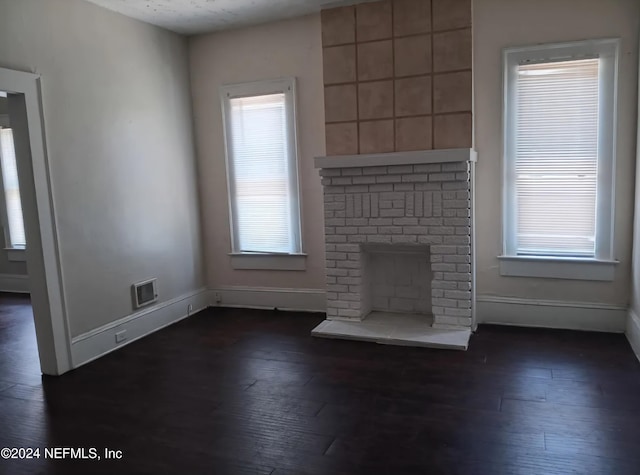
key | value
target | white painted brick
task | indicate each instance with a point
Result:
(417, 230)
(404, 239)
(464, 303)
(374, 206)
(464, 285)
(400, 169)
(331, 279)
(463, 213)
(403, 187)
(463, 230)
(332, 312)
(441, 231)
(427, 168)
(453, 167)
(429, 186)
(348, 265)
(431, 240)
(326, 182)
(452, 320)
(355, 272)
(329, 214)
(405, 221)
(442, 176)
(334, 206)
(409, 204)
(347, 248)
(330, 172)
(390, 229)
(463, 195)
(349, 280)
(437, 311)
(363, 180)
(366, 205)
(437, 205)
(378, 188)
(349, 313)
(436, 258)
(457, 239)
(463, 268)
(381, 221)
(347, 230)
(334, 222)
(351, 171)
(349, 206)
(379, 239)
(454, 276)
(337, 272)
(458, 294)
(355, 238)
(418, 203)
(329, 263)
(431, 221)
(464, 250)
(390, 213)
(398, 204)
(457, 259)
(385, 204)
(462, 176)
(338, 256)
(458, 312)
(357, 205)
(335, 238)
(443, 267)
(451, 303)
(367, 230)
(455, 185)
(341, 180)
(355, 305)
(437, 293)
(440, 284)
(457, 222)
(455, 203)
(389, 179)
(449, 213)
(356, 222)
(415, 178)
(443, 249)
(357, 189)
(334, 190)
(374, 170)
(349, 297)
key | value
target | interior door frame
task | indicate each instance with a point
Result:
(43, 256)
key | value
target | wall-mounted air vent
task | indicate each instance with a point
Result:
(145, 293)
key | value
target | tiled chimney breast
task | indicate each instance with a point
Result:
(397, 76)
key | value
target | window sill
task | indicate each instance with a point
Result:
(253, 261)
(558, 268)
(16, 254)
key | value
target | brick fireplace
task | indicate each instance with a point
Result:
(399, 171)
(379, 216)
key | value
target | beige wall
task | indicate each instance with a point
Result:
(288, 48)
(635, 271)
(119, 138)
(503, 23)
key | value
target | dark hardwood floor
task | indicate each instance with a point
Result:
(250, 392)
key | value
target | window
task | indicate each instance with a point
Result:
(262, 169)
(559, 158)
(15, 236)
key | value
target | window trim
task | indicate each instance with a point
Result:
(15, 253)
(513, 264)
(273, 86)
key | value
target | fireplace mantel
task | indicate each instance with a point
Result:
(397, 158)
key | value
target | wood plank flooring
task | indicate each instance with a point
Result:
(232, 391)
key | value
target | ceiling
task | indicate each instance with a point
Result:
(192, 17)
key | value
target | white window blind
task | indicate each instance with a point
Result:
(11, 189)
(556, 157)
(262, 174)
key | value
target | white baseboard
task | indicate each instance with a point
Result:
(551, 314)
(299, 300)
(16, 283)
(633, 332)
(96, 343)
